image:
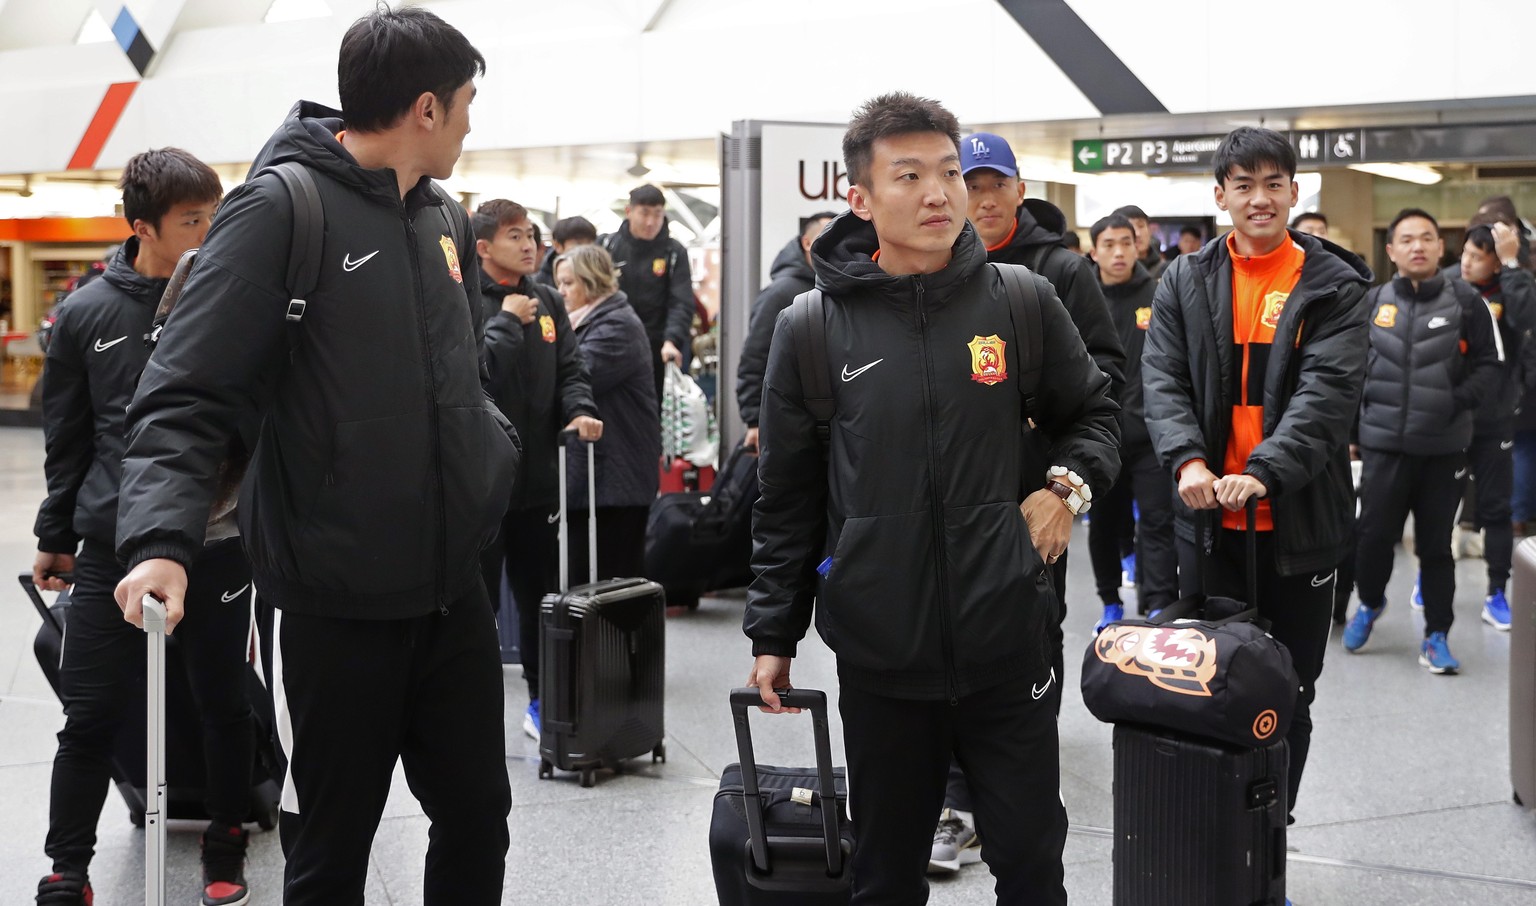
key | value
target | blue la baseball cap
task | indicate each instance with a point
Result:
(983, 149)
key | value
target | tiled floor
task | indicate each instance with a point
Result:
(1407, 798)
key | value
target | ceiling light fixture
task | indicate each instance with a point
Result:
(1414, 173)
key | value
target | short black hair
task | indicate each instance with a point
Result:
(390, 57)
(1408, 213)
(573, 228)
(155, 181)
(897, 113)
(1116, 221)
(1192, 231)
(1249, 148)
(1502, 205)
(497, 213)
(1304, 216)
(646, 196)
(1481, 237)
(1071, 240)
(807, 222)
(1131, 212)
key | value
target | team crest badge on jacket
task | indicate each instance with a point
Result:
(452, 254)
(1274, 303)
(1498, 310)
(547, 328)
(1176, 658)
(1143, 317)
(988, 364)
(1386, 316)
(659, 267)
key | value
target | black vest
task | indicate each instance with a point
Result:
(1412, 370)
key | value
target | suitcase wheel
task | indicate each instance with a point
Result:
(659, 753)
(266, 818)
(137, 818)
(588, 777)
(546, 770)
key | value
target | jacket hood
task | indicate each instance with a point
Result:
(1140, 277)
(1320, 272)
(1040, 223)
(308, 135)
(790, 262)
(843, 258)
(120, 273)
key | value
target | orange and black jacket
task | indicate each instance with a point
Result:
(1309, 387)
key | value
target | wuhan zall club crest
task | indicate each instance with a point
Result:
(988, 364)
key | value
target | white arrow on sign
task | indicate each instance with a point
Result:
(1085, 155)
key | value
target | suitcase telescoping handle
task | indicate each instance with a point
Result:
(154, 788)
(1251, 543)
(565, 513)
(815, 701)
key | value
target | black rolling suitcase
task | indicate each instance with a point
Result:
(602, 668)
(697, 541)
(184, 747)
(1197, 822)
(774, 837)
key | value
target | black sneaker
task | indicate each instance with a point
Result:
(65, 888)
(224, 866)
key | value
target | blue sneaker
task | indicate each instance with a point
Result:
(531, 723)
(1128, 570)
(1113, 613)
(1496, 610)
(1435, 654)
(1358, 632)
(1417, 599)
(1154, 613)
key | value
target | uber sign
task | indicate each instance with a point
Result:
(1319, 147)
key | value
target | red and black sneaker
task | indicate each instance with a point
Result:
(224, 866)
(65, 888)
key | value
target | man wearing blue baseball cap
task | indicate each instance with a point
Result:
(1016, 230)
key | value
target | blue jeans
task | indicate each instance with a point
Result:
(1523, 503)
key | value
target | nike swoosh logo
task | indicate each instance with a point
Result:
(1320, 581)
(103, 347)
(348, 265)
(226, 598)
(553, 518)
(1507, 445)
(850, 375)
(1437, 323)
(1460, 474)
(1037, 691)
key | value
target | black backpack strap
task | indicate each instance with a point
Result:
(1028, 328)
(454, 223)
(307, 243)
(1042, 252)
(807, 317)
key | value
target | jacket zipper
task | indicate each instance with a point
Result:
(437, 440)
(946, 632)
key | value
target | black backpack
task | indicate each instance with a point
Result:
(808, 319)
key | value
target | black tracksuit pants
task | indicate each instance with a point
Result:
(1391, 486)
(101, 680)
(1491, 459)
(899, 753)
(1145, 482)
(354, 696)
(527, 548)
(1299, 610)
(620, 543)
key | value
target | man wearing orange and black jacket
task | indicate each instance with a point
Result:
(1252, 370)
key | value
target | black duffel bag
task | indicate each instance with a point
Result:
(1205, 666)
(782, 835)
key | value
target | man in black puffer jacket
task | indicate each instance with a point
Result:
(539, 382)
(1434, 358)
(655, 276)
(381, 473)
(1251, 373)
(1128, 289)
(932, 538)
(791, 276)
